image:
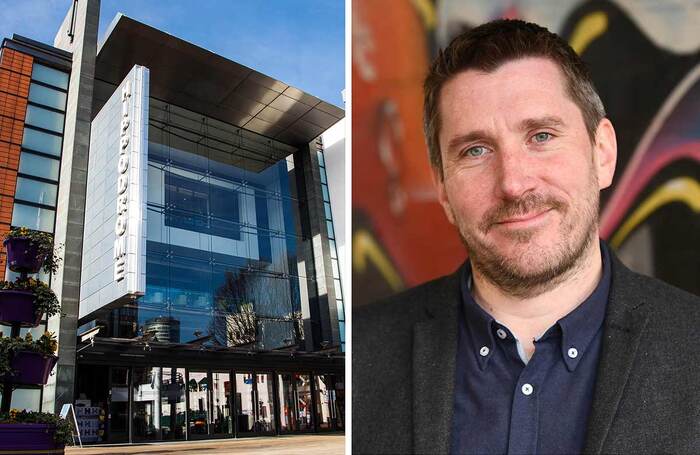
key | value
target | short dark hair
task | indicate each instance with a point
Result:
(490, 45)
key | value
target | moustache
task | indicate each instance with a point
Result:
(511, 208)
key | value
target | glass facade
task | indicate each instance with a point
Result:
(223, 232)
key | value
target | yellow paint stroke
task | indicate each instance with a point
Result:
(681, 189)
(364, 249)
(590, 27)
(426, 11)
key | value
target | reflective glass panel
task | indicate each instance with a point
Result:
(43, 118)
(118, 425)
(50, 76)
(324, 404)
(33, 217)
(42, 142)
(245, 403)
(222, 422)
(49, 97)
(146, 404)
(172, 404)
(198, 415)
(266, 409)
(36, 191)
(288, 403)
(26, 399)
(339, 401)
(304, 403)
(39, 166)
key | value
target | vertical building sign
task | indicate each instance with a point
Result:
(122, 187)
(114, 239)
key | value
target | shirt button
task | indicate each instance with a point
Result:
(573, 353)
(501, 334)
(484, 351)
(527, 389)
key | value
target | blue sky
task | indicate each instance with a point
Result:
(300, 42)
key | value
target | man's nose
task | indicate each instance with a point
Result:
(514, 175)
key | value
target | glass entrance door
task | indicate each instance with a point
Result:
(245, 404)
(221, 423)
(198, 415)
(265, 405)
(118, 422)
(172, 404)
(146, 404)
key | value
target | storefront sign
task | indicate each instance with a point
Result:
(122, 187)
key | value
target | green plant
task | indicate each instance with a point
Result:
(45, 300)
(63, 434)
(44, 244)
(46, 344)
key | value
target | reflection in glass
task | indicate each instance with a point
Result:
(44, 118)
(46, 96)
(339, 402)
(287, 399)
(39, 166)
(265, 422)
(324, 405)
(304, 407)
(221, 410)
(172, 406)
(146, 404)
(40, 141)
(33, 217)
(35, 191)
(26, 399)
(245, 413)
(198, 415)
(50, 76)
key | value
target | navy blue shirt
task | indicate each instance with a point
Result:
(505, 405)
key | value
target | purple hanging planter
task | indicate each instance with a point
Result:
(17, 307)
(29, 436)
(23, 255)
(30, 368)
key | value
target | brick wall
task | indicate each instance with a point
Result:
(15, 73)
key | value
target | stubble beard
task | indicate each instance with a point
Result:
(534, 269)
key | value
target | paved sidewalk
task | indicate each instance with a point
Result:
(324, 444)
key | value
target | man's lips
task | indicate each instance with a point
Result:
(523, 219)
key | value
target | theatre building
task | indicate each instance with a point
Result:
(200, 282)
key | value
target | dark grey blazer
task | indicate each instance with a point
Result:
(647, 395)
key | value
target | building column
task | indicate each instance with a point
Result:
(78, 35)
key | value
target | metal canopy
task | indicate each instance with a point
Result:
(201, 81)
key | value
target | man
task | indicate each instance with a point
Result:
(543, 342)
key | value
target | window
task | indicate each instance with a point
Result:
(42, 142)
(35, 191)
(50, 76)
(47, 96)
(198, 206)
(38, 166)
(33, 217)
(43, 118)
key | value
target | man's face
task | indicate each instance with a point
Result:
(521, 176)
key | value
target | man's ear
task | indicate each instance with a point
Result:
(605, 153)
(439, 182)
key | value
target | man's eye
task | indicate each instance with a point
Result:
(476, 152)
(541, 137)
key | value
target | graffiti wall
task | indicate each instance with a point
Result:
(645, 60)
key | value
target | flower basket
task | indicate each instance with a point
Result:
(17, 307)
(23, 255)
(30, 368)
(37, 437)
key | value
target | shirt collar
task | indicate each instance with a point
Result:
(578, 328)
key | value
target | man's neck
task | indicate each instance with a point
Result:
(528, 318)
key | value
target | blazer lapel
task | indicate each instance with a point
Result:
(624, 324)
(434, 351)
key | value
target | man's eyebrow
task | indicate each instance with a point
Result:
(472, 136)
(541, 122)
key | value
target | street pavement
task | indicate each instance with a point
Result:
(317, 444)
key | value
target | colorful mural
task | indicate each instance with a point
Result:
(645, 61)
